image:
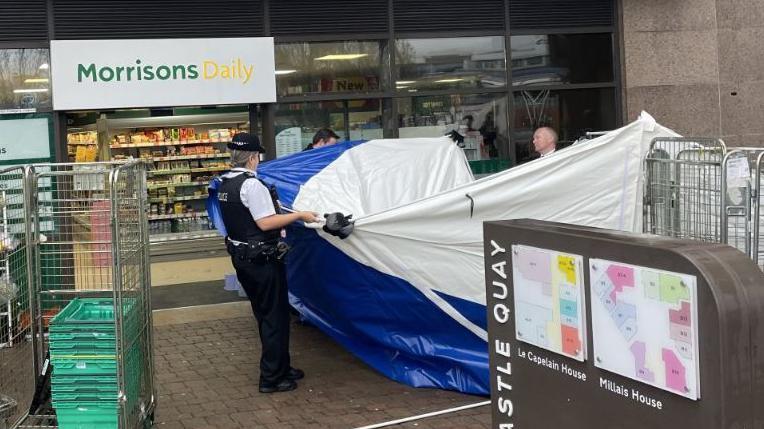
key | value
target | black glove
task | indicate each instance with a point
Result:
(338, 225)
(457, 138)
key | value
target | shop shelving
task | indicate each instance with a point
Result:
(177, 216)
(176, 185)
(188, 157)
(197, 161)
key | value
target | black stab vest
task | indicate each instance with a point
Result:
(236, 216)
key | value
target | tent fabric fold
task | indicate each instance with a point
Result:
(405, 292)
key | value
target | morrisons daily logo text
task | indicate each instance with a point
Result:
(207, 70)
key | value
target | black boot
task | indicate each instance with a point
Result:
(284, 385)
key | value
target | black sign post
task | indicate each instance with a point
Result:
(595, 329)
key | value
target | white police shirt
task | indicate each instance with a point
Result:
(254, 195)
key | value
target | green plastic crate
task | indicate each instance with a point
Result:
(88, 389)
(99, 397)
(87, 415)
(89, 311)
(94, 369)
(84, 379)
(489, 166)
(82, 336)
(96, 347)
(84, 365)
(84, 316)
(93, 383)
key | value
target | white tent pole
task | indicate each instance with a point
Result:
(424, 416)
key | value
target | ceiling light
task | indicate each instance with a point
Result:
(401, 87)
(405, 82)
(26, 91)
(283, 72)
(36, 80)
(44, 66)
(341, 57)
(413, 90)
(448, 80)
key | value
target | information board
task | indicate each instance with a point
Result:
(549, 300)
(644, 325)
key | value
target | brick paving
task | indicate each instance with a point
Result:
(207, 373)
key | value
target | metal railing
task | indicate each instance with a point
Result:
(702, 190)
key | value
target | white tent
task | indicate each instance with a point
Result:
(423, 224)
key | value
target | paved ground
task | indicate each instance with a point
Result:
(207, 378)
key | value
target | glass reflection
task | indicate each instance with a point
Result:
(296, 123)
(571, 113)
(25, 79)
(465, 62)
(480, 118)
(328, 67)
(561, 59)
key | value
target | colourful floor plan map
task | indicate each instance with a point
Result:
(644, 325)
(549, 300)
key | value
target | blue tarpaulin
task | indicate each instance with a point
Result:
(380, 318)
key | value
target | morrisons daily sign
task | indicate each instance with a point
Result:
(101, 74)
(237, 70)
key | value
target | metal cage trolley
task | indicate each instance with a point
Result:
(743, 199)
(90, 294)
(18, 351)
(683, 188)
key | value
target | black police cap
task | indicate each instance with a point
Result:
(246, 142)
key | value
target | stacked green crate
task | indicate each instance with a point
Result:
(489, 166)
(84, 384)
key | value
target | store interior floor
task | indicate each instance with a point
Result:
(191, 282)
(192, 294)
(207, 351)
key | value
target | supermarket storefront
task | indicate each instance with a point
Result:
(493, 69)
(120, 83)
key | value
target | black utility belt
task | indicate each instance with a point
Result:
(257, 251)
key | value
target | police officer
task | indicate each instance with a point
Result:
(253, 222)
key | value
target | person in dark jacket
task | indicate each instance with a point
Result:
(323, 137)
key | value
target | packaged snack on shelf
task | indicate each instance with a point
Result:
(84, 138)
(85, 154)
(187, 134)
(156, 136)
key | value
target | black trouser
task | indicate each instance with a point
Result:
(266, 287)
